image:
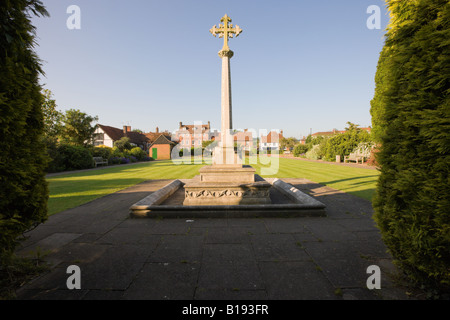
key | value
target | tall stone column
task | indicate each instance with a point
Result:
(226, 115)
(225, 154)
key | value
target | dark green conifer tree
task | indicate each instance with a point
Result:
(23, 188)
(411, 122)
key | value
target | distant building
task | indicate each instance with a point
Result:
(161, 148)
(192, 135)
(244, 139)
(271, 141)
(106, 135)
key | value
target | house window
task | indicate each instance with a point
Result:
(99, 139)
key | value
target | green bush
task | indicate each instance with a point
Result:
(76, 157)
(410, 117)
(123, 144)
(69, 157)
(116, 152)
(313, 153)
(23, 159)
(300, 149)
(104, 152)
(55, 163)
(138, 153)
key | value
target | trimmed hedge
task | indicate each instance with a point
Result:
(410, 117)
(69, 157)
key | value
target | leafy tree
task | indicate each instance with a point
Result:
(410, 118)
(309, 139)
(352, 126)
(78, 128)
(288, 143)
(52, 117)
(123, 144)
(23, 188)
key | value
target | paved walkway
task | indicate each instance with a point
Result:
(223, 259)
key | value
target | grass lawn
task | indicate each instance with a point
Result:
(360, 182)
(71, 190)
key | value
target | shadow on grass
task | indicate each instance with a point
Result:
(112, 196)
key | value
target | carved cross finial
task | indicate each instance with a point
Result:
(225, 31)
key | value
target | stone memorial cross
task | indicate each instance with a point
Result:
(225, 31)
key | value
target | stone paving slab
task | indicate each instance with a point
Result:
(318, 258)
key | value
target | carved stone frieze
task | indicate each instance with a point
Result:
(226, 193)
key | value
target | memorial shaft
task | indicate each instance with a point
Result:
(226, 106)
(226, 30)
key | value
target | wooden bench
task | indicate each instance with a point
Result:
(354, 157)
(100, 160)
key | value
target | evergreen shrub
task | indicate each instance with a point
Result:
(411, 122)
(23, 158)
(300, 149)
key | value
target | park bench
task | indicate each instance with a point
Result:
(100, 160)
(354, 157)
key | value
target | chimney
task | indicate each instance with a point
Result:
(126, 129)
(281, 132)
(181, 124)
(157, 130)
(209, 125)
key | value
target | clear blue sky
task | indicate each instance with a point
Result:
(298, 64)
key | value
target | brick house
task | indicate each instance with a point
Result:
(192, 135)
(271, 141)
(161, 148)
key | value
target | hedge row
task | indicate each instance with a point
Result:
(64, 157)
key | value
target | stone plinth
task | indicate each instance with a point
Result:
(200, 193)
(227, 173)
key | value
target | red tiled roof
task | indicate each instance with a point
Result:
(116, 134)
(162, 139)
(152, 136)
(329, 133)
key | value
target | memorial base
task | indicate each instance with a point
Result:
(227, 185)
